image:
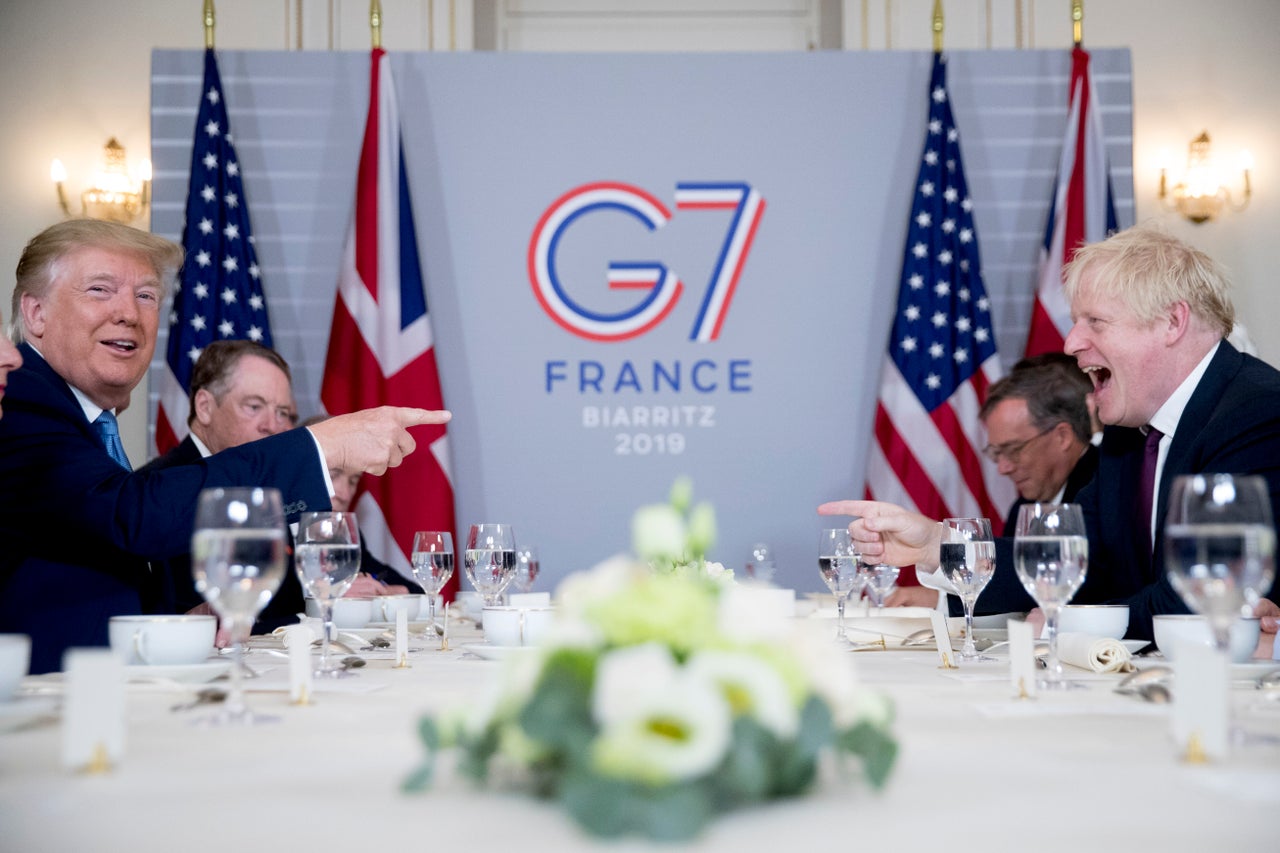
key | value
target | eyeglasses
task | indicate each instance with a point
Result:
(1012, 450)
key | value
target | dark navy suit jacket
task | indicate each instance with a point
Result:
(1231, 425)
(78, 531)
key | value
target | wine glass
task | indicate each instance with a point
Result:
(880, 580)
(326, 556)
(1052, 556)
(527, 568)
(762, 564)
(838, 563)
(238, 562)
(1219, 546)
(490, 560)
(432, 566)
(968, 559)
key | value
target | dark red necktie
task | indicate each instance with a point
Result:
(1150, 454)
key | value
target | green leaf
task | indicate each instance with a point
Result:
(745, 774)
(558, 713)
(612, 808)
(877, 749)
(798, 764)
(420, 779)
(429, 734)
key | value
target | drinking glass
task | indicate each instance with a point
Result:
(762, 564)
(238, 561)
(1219, 545)
(1052, 555)
(527, 568)
(879, 580)
(432, 566)
(968, 559)
(490, 560)
(326, 555)
(838, 563)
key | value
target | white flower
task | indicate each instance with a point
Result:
(657, 532)
(580, 590)
(718, 572)
(659, 723)
(751, 686)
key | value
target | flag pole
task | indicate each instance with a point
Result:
(937, 26)
(375, 23)
(1077, 21)
(209, 22)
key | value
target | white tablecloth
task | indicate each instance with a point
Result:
(1084, 770)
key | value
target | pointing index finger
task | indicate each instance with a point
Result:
(408, 416)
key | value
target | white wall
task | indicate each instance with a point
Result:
(76, 73)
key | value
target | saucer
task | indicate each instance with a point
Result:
(193, 673)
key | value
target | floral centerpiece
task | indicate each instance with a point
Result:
(657, 703)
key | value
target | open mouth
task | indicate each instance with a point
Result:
(1100, 376)
(121, 346)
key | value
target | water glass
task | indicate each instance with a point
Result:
(838, 563)
(527, 568)
(327, 559)
(761, 565)
(432, 563)
(968, 559)
(1052, 555)
(490, 560)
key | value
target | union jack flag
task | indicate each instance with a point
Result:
(220, 294)
(925, 454)
(1082, 211)
(381, 349)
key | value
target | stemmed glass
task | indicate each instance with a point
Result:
(432, 566)
(1219, 546)
(326, 556)
(879, 580)
(762, 564)
(527, 568)
(490, 560)
(1052, 557)
(968, 559)
(838, 563)
(238, 562)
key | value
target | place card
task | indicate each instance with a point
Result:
(1201, 703)
(297, 639)
(1022, 658)
(93, 709)
(402, 639)
(943, 639)
(444, 638)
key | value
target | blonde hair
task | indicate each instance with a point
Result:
(1148, 270)
(42, 258)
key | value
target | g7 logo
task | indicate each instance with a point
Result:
(662, 284)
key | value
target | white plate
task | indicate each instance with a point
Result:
(24, 709)
(488, 652)
(195, 673)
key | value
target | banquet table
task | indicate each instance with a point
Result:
(978, 769)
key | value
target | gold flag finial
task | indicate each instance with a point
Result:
(375, 22)
(208, 24)
(937, 26)
(1077, 21)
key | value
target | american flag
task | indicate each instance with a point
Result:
(381, 349)
(1083, 210)
(220, 294)
(925, 454)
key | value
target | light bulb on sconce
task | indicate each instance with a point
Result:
(1201, 195)
(118, 193)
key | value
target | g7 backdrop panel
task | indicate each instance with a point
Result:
(557, 431)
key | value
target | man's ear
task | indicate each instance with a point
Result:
(1177, 320)
(33, 315)
(204, 403)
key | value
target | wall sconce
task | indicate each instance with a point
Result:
(117, 193)
(1200, 195)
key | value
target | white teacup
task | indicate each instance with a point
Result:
(385, 607)
(347, 612)
(516, 626)
(1098, 620)
(162, 640)
(529, 599)
(15, 659)
(1173, 631)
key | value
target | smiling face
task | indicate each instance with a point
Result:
(1131, 363)
(10, 359)
(96, 324)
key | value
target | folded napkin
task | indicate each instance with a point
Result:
(1098, 654)
(936, 579)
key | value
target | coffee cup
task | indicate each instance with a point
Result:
(15, 659)
(516, 626)
(162, 640)
(385, 607)
(347, 612)
(1172, 632)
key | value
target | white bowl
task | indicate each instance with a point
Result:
(347, 612)
(1172, 631)
(1098, 620)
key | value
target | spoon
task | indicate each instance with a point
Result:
(204, 696)
(1269, 681)
(352, 662)
(1154, 692)
(1135, 682)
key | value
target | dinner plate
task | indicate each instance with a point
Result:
(195, 673)
(24, 709)
(488, 652)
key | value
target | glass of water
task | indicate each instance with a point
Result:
(1052, 556)
(326, 555)
(838, 563)
(432, 566)
(968, 559)
(527, 568)
(238, 561)
(490, 560)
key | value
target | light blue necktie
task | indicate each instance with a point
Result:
(109, 432)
